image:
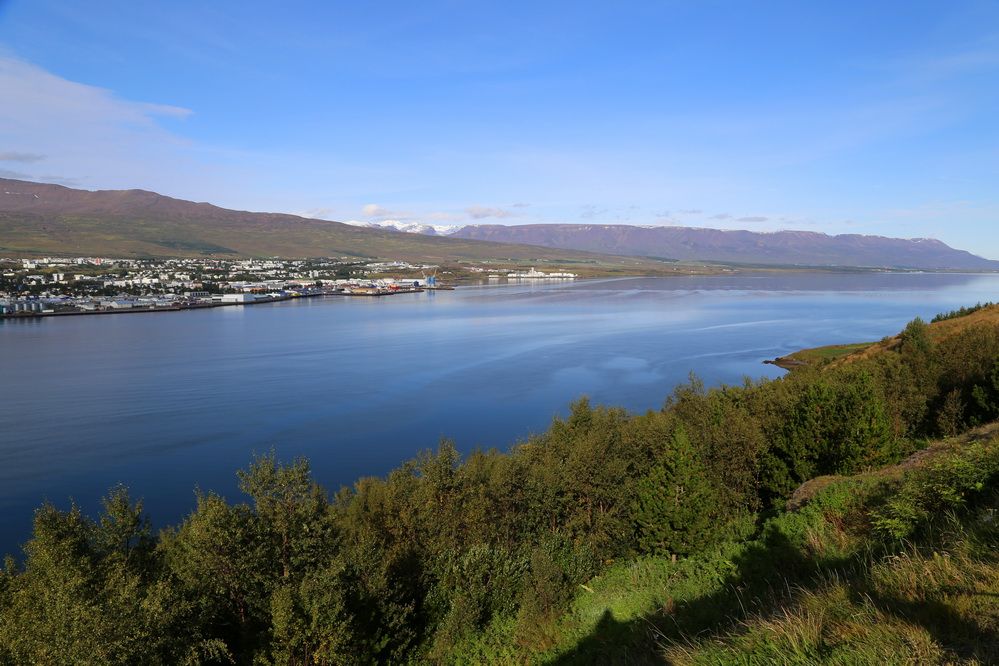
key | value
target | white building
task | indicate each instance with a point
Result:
(238, 298)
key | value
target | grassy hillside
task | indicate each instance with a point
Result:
(941, 328)
(140, 236)
(46, 219)
(894, 566)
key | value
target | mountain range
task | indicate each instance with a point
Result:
(52, 219)
(786, 248)
(41, 218)
(794, 248)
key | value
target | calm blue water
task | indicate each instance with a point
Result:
(168, 402)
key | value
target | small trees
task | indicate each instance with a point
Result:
(672, 507)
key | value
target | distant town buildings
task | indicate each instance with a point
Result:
(99, 284)
(68, 285)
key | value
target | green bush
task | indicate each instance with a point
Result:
(947, 482)
(674, 505)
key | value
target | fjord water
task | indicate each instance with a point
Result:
(166, 403)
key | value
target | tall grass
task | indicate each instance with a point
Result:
(822, 584)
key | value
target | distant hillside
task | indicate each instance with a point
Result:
(38, 218)
(797, 248)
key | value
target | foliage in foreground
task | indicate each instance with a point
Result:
(448, 560)
(825, 583)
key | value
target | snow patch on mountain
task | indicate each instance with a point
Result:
(410, 227)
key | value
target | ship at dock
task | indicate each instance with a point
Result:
(535, 274)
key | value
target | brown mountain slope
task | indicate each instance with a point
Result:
(38, 218)
(798, 248)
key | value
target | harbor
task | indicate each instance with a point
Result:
(36, 308)
(57, 287)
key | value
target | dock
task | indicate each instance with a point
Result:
(381, 292)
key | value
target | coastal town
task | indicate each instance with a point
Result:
(99, 285)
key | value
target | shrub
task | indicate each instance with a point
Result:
(947, 482)
(672, 511)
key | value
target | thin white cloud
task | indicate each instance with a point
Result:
(483, 212)
(44, 178)
(16, 175)
(441, 216)
(590, 211)
(374, 210)
(379, 212)
(974, 58)
(15, 156)
(81, 129)
(318, 213)
(385, 214)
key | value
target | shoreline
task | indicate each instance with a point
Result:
(17, 316)
(785, 362)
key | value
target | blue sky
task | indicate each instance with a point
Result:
(841, 117)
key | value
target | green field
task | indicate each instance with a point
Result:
(820, 354)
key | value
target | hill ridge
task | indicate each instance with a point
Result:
(785, 247)
(42, 218)
(50, 218)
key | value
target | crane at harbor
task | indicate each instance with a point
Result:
(430, 281)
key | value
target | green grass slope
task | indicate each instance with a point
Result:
(898, 566)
